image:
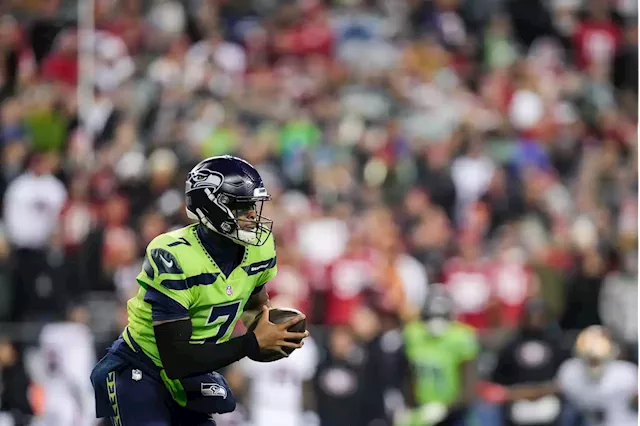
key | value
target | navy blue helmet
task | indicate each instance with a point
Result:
(226, 194)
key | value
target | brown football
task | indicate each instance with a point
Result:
(278, 316)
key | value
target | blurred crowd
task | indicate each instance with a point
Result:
(487, 145)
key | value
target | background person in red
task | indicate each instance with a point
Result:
(468, 279)
(347, 279)
(512, 278)
(597, 37)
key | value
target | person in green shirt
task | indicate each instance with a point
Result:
(440, 353)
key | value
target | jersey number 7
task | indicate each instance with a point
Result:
(222, 313)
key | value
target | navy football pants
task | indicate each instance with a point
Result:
(128, 384)
(146, 402)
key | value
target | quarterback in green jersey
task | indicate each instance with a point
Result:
(195, 284)
(440, 353)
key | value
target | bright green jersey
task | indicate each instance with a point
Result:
(177, 265)
(436, 360)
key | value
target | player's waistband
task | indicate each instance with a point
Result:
(126, 347)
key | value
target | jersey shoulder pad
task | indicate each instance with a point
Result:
(568, 372)
(165, 255)
(414, 329)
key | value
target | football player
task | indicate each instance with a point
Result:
(195, 284)
(602, 387)
(441, 355)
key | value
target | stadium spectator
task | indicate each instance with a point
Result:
(15, 407)
(529, 362)
(340, 381)
(276, 391)
(468, 279)
(32, 207)
(64, 381)
(6, 289)
(17, 59)
(15, 143)
(618, 305)
(382, 363)
(61, 64)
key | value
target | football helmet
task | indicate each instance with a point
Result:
(226, 195)
(437, 312)
(596, 348)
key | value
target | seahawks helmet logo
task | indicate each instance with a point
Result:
(204, 178)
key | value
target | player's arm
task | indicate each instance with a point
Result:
(554, 386)
(469, 379)
(502, 378)
(173, 329)
(532, 392)
(181, 358)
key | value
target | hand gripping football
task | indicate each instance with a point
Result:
(278, 316)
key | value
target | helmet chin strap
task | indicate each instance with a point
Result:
(244, 237)
(248, 237)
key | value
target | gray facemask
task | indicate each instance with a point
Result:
(437, 326)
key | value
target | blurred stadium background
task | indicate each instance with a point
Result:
(489, 145)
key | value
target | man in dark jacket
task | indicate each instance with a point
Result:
(526, 368)
(14, 385)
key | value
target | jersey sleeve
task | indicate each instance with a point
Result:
(161, 271)
(468, 344)
(163, 307)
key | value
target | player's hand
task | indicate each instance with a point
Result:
(274, 337)
(433, 412)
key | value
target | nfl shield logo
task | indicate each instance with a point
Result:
(229, 290)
